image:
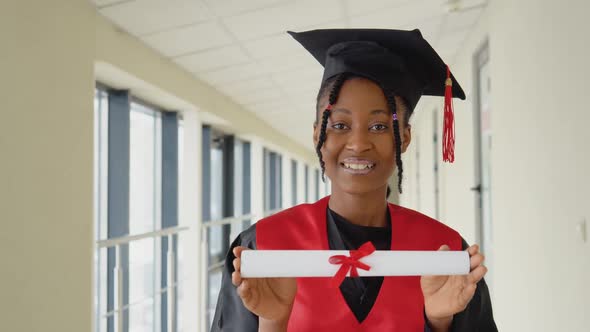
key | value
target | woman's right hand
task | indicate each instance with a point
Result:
(268, 298)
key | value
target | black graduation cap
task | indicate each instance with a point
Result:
(403, 62)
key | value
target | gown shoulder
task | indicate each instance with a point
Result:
(230, 313)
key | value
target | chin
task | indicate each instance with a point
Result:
(354, 188)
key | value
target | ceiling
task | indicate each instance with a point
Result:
(241, 47)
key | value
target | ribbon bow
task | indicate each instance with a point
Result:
(351, 263)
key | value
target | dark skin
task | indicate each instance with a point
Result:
(360, 127)
(359, 133)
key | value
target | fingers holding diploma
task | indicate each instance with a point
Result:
(243, 286)
(445, 296)
(236, 276)
(269, 298)
(476, 259)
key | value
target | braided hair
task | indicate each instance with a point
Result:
(334, 85)
(398, 142)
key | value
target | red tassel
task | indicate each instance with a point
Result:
(449, 122)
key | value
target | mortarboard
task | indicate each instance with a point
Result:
(402, 62)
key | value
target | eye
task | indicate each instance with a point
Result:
(339, 126)
(379, 127)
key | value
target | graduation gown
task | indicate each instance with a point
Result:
(357, 305)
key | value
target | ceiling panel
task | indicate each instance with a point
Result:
(181, 41)
(299, 80)
(213, 59)
(399, 17)
(279, 64)
(225, 8)
(232, 74)
(279, 44)
(261, 96)
(356, 7)
(462, 20)
(241, 47)
(146, 17)
(249, 85)
(270, 106)
(278, 19)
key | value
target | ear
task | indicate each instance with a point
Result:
(406, 137)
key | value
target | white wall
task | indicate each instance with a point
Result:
(52, 54)
(539, 53)
(46, 165)
(539, 71)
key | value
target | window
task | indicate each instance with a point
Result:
(241, 185)
(306, 176)
(317, 184)
(145, 203)
(293, 182)
(272, 181)
(135, 193)
(226, 176)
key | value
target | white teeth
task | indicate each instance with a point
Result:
(359, 166)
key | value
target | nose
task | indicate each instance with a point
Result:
(359, 141)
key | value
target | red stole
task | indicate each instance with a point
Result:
(320, 307)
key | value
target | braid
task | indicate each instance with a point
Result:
(397, 137)
(333, 97)
(322, 139)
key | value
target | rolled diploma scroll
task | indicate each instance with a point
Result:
(315, 263)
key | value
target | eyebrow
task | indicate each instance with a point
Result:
(373, 112)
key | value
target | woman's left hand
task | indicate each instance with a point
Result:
(445, 296)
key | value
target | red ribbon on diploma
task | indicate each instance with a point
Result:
(351, 263)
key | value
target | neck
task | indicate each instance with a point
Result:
(367, 209)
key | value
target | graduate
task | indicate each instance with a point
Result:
(372, 82)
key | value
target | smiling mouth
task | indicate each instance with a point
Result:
(359, 168)
(354, 166)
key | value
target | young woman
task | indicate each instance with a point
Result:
(372, 82)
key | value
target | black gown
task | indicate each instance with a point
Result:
(360, 293)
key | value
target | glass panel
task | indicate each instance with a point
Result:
(279, 182)
(247, 190)
(214, 288)
(141, 269)
(141, 316)
(306, 184)
(183, 263)
(272, 181)
(317, 184)
(142, 176)
(267, 180)
(237, 226)
(293, 182)
(100, 288)
(216, 232)
(144, 215)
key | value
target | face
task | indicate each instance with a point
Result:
(359, 151)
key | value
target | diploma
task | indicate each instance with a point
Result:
(316, 263)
